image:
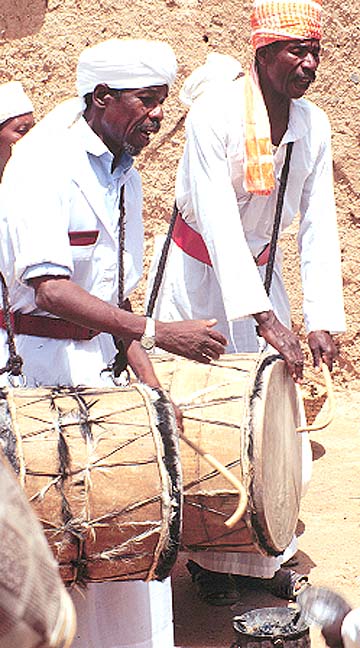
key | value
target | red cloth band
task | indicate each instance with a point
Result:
(191, 242)
(263, 257)
(50, 327)
(83, 237)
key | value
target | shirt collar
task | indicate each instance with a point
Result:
(95, 146)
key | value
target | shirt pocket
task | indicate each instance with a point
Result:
(82, 243)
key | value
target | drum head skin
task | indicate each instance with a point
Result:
(275, 455)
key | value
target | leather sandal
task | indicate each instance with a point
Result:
(213, 588)
(285, 584)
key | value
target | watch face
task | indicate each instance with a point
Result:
(147, 343)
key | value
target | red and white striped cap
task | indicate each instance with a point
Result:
(277, 20)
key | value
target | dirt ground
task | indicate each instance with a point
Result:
(329, 536)
(40, 42)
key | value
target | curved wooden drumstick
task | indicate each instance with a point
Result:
(237, 515)
(330, 395)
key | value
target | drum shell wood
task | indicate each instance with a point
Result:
(244, 411)
(92, 463)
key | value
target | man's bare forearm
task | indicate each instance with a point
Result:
(194, 339)
(65, 299)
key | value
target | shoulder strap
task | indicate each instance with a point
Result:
(161, 267)
(277, 217)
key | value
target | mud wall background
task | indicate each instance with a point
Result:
(40, 41)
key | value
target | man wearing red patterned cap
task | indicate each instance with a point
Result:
(227, 186)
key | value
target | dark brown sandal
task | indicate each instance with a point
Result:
(213, 588)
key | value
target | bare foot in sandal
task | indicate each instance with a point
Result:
(285, 583)
(213, 588)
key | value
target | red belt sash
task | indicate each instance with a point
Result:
(193, 244)
(51, 327)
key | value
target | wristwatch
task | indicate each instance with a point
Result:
(147, 339)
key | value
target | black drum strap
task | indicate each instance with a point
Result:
(118, 367)
(277, 218)
(161, 266)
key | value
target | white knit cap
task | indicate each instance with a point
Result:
(13, 101)
(126, 64)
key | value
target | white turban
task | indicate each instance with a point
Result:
(218, 69)
(13, 101)
(126, 64)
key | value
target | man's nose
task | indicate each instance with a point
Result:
(157, 113)
(311, 61)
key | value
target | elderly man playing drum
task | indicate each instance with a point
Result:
(76, 237)
(238, 131)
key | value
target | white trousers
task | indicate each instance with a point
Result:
(130, 614)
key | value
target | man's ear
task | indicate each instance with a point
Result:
(262, 55)
(265, 54)
(101, 95)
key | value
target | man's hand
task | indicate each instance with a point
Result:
(193, 339)
(322, 347)
(283, 340)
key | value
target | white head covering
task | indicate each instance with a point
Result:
(13, 101)
(126, 64)
(218, 69)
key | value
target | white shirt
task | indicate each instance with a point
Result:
(67, 185)
(236, 224)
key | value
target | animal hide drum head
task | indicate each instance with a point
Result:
(275, 454)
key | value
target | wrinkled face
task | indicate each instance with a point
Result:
(290, 66)
(11, 131)
(131, 116)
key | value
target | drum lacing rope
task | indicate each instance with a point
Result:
(213, 462)
(146, 393)
(14, 364)
(166, 531)
(72, 526)
(19, 442)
